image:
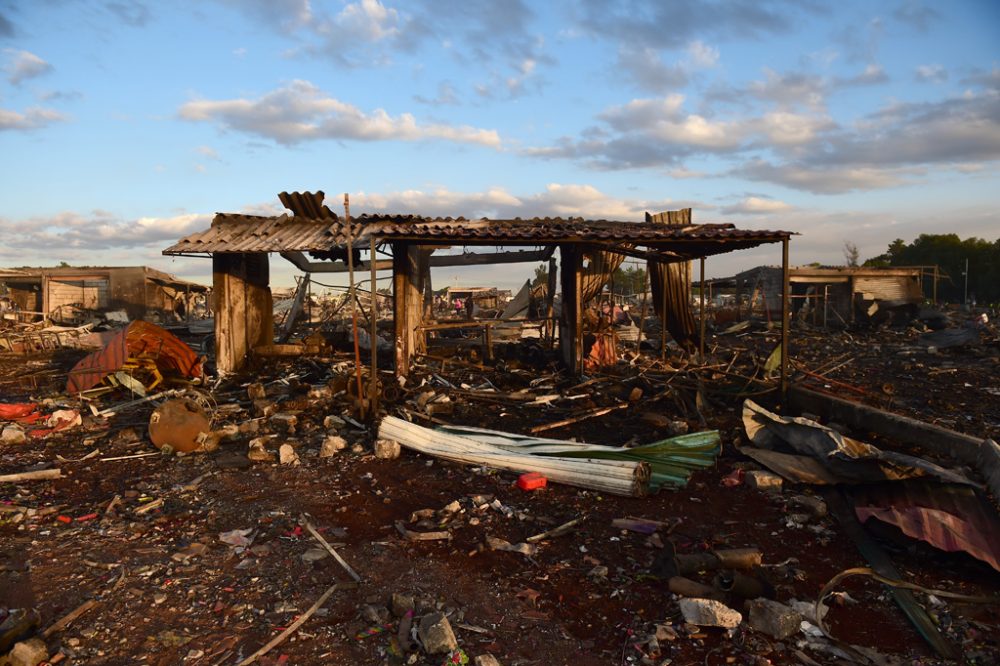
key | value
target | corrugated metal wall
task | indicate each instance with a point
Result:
(89, 293)
(894, 288)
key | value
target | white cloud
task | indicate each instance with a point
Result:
(368, 20)
(24, 65)
(79, 235)
(208, 152)
(702, 55)
(788, 129)
(932, 73)
(556, 200)
(302, 112)
(754, 205)
(33, 118)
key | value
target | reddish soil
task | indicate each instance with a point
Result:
(555, 607)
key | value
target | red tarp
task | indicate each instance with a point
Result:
(173, 357)
(17, 410)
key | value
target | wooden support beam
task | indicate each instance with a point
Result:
(244, 316)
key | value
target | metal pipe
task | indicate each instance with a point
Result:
(784, 319)
(354, 305)
(701, 315)
(373, 393)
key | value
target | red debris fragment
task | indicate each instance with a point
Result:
(531, 481)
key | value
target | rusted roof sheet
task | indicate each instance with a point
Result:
(254, 233)
(249, 233)
(171, 356)
(551, 229)
(307, 204)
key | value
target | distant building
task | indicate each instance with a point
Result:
(67, 294)
(830, 295)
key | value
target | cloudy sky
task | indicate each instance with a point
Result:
(125, 124)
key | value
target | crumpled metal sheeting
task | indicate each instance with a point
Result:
(850, 460)
(950, 518)
(139, 337)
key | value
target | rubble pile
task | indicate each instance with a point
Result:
(260, 518)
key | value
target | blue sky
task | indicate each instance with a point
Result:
(125, 125)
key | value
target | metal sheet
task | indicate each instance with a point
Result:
(139, 337)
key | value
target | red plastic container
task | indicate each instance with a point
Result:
(531, 481)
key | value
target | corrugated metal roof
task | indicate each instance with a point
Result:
(313, 227)
(254, 233)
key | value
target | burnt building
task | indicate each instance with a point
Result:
(67, 294)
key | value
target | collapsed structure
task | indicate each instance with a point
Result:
(65, 294)
(590, 251)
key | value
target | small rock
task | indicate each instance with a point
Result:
(284, 422)
(334, 423)
(264, 408)
(762, 480)
(675, 428)
(401, 603)
(387, 449)
(287, 455)
(258, 451)
(375, 614)
(709, 613)
(314, 555)
(664, 632)
(813, 505)
(486, 660)
(159, 598)
(357, 448)
(13, 435)
(774, 619)
(331, 445)
(28, 653)
(436, 634)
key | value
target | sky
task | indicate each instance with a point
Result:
(125, 125)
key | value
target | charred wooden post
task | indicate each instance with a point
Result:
(410, 263)
(243, 309)
(571, 321)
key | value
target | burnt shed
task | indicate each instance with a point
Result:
(66, 293)
(589, 251)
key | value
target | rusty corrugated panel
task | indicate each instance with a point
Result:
(671, 283)
(171, 355)
(307, 204)
(951, 518)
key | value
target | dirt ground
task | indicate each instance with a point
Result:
(170, 590)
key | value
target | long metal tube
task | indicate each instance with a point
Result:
(784, 320)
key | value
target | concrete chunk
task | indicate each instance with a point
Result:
(774, 619)
(709, 613)
(436, 634)
(331, 445)
(387, 449)
(28, 653)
